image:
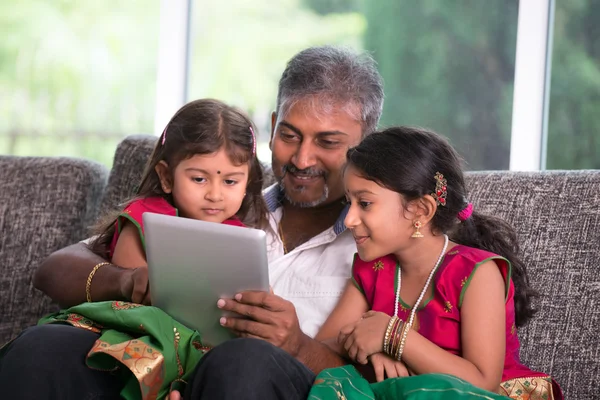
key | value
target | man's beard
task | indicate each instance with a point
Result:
(306, 172)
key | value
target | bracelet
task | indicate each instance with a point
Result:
(386, 338)
(88, 283)
(396, 334)
(405, 330)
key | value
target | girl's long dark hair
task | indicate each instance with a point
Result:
(405, 160)
(199, 127)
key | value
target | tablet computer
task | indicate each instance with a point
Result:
(191, 264)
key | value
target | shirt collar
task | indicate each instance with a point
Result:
(274, 196)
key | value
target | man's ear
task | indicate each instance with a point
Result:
(164, 174)
(273, 123)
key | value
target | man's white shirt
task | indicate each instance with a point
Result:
(313, 275)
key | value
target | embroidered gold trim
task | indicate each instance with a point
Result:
(530, 388)
(124, 305)
(448, 307)
(378, 266)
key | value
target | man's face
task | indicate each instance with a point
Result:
(309, 151)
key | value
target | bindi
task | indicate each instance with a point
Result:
(219, 172)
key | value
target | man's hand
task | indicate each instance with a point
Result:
(386, 367)
(134, 285)
(270, 318)
(364, 337)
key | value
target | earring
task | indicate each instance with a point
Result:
(417, 234)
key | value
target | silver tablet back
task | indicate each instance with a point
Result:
(191, 264)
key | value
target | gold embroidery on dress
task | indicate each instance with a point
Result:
(378, 266)
(538, 388)
(179, 366)
(448, 306)
(334, 384)
(143, 360)
(464, 281)
(124, 305)
(79, 321)
(198, 346)
(453, 252)
(513, 329)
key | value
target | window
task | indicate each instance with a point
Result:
(240, 48)
(574, 118)
(445, 66)
(76, 76)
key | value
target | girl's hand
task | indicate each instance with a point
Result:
(386, 367)
(364, 337)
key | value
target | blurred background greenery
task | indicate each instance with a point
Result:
(78, 76)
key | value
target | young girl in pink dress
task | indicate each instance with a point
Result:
(204, 166)
(437, 288)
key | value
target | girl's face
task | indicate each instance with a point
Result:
(208, 187)
(376, 217)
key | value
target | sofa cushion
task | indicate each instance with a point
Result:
(557, 217)
(131, 157)
(45, 204)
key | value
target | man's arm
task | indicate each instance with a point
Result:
(317, 356)
(63, 275)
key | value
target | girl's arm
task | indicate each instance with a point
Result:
(349, 309)
(483, 335)
(129, 251)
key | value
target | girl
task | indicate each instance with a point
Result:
(444, 284)
(204, 167)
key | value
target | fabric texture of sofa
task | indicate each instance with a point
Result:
(47, 204)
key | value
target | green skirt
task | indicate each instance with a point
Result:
(346, 383)
(142, 345)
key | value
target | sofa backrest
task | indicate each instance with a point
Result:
(45, 204)
(557, 217)
(131, 157)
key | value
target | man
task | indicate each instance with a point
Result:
(328, 99)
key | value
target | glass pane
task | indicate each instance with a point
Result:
(447, 65)
(76, 76)
(240, 48)
(574, 118)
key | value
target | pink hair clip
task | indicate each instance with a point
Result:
(164, 136)
(253, 142)
(466, 212)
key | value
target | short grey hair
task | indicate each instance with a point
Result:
(330, 75)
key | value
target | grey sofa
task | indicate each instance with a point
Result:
(47, 203)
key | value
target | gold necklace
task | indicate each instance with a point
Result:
(280, 231)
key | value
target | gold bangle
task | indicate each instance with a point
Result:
(405, 330)
(396, 339)
(386, 338)
(88, 283)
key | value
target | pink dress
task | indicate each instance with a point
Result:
(438, 317)
(134, 211)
